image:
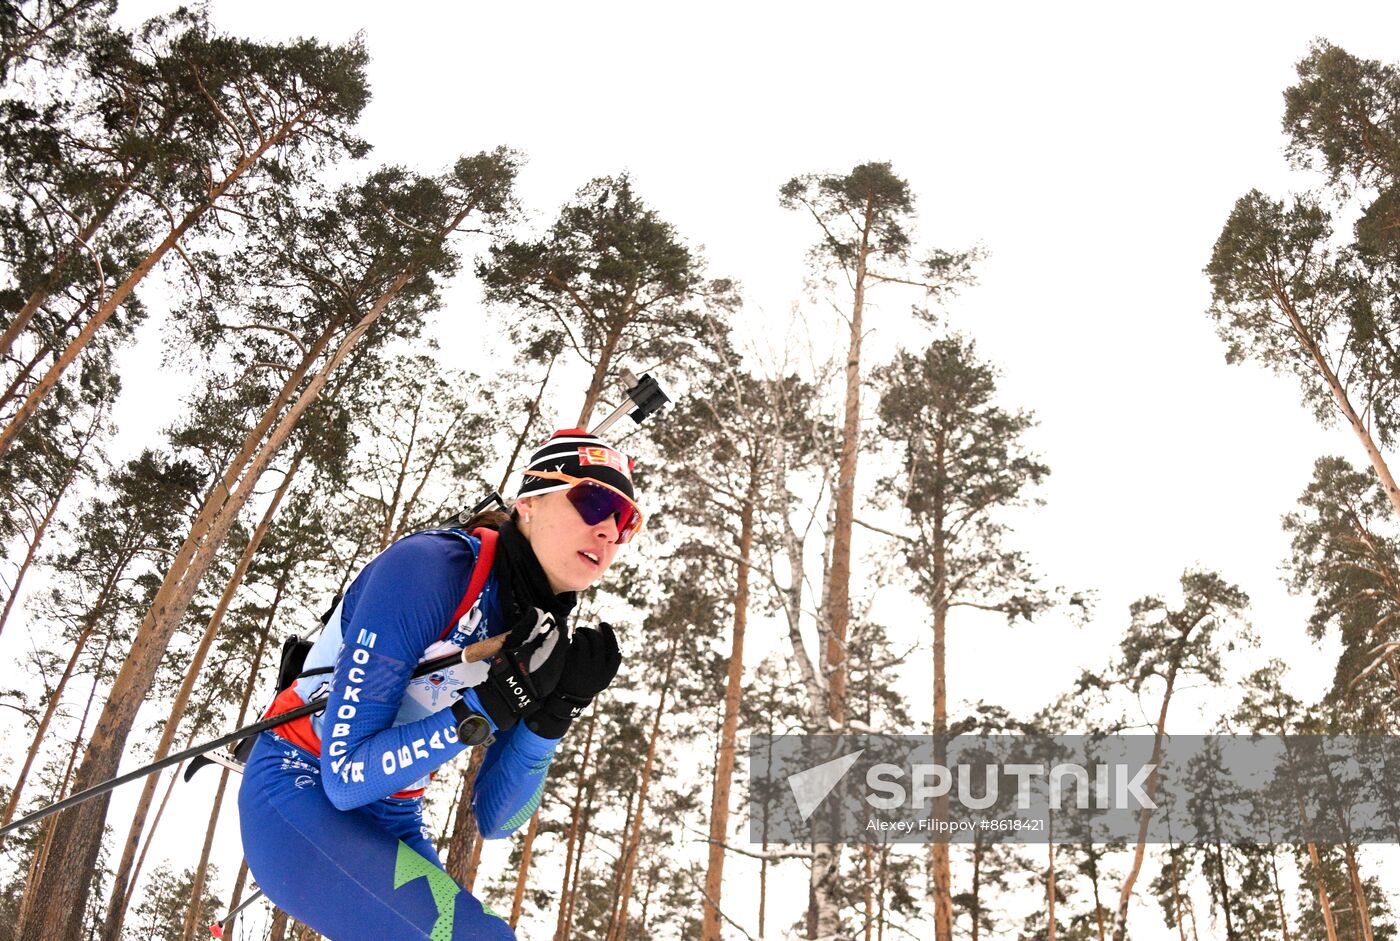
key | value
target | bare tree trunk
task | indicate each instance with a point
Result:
(182, 698)
(193, 912)
(41, 730)
(1098, 902)
(473, 863)
(599, 377)
(440, 841)
(1324, 902)
(524, 878)
(630, 848)
(724, 765)
(279, 926)
(868, 888)
(839, 609)
(197, 892)
(1358, 888)
(569, 860)
(464, 836)
(43, 527)
(1278, 894)
(763, 889)
(41, 856)
(118, 904)
(615, 892)
(585, 824)
(646, 899)
(942, 881)
(823, 917)
(530, 417)
(884, 888)
(1225, 901)
(1051, 927)
(1176, 895)
(239, 884)
(1120, 923)
(1360, 426)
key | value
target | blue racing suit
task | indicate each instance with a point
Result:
(331, 808)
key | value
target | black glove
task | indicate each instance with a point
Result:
(593, 659)
(520, 677)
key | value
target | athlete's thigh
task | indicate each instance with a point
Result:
(342, 872)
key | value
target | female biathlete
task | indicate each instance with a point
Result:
(331, 805)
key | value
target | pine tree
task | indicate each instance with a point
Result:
(389, 232)
(615, 280)
(1287, 292)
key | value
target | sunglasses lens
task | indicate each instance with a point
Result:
(595, 504)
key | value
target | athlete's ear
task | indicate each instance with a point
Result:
(523, 507)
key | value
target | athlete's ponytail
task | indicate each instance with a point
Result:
(488, 519)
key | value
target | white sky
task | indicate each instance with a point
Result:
(1093, 149)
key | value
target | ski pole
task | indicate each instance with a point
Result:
(644, 399)
(480, 650)
(218, 928)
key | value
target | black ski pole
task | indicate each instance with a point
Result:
(218, 928)
(256, 728)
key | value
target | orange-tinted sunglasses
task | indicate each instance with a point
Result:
(595, 501)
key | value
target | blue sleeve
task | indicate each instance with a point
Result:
(511, 781)
(402, 601)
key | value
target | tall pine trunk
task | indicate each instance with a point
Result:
(31, 900)
(32, 550)
(585, 830)
(572, 845)
(118, 296)
(599, 378)
(523, 879)
(1360, 426)
(1324, 902)
(115, 914)
(119, 903)
(42, 729)
(724, 765)
(201, 871)
(823, 914)
(633, 842)
(1120, 922)
(941, 877)
(1358, 891)
(71, 251)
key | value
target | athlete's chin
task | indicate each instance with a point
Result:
(586, 576)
